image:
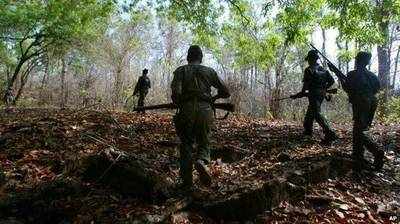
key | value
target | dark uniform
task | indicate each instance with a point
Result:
(191, 91)
(362, 86)
(315, 83)
(9, 97)
(142, 88)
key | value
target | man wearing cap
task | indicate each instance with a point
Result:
(142, 88)
(316, 81)
(362, 86)
(9, 97)
(191, 92)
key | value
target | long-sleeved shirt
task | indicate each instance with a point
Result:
(316, 78)
(361, 83)
(194, 82)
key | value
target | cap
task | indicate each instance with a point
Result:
(313, 54)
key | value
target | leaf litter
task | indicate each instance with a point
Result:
(42, 148)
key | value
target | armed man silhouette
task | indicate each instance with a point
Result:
(362, 86)
(191, 92)
(142, 88)
(316, 82)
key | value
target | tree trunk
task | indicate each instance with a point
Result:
(347, 62)
(43, 97)
(324, 46)
(384, 56)
(117, 88)
(275, 105)
(384, 69)
(340, 48)
(396, 66)
(63, 100)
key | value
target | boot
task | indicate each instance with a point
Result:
(329, 139)
(204, 173)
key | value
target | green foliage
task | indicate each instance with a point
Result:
(201, 16)
(393, 110)
(364, 20)
(53, 25)
(298, 19)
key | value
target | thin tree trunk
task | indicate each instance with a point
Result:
(43, 85)
(384, 55)
(63, 83)
(340, 48)
(276, 92)
(117, 88)
(347, 62)
(396, 66)
(324, 45)
(24, 79)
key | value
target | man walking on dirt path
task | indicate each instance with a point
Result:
(316, 81)
(191, 92)
(362, 86)
(142, 88)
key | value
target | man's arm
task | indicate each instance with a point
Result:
(376, 84)
(306, 81)
(330, 81)
(176, 88)
(306, 85)
(223, 91)
(136, 91)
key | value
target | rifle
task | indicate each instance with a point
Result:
(228, 107)
(342, 77)
(301, 95)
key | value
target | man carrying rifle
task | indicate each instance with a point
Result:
(142, 88)
(316, 81)
(191, 92)
(362, 86)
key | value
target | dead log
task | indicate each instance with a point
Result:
(288, 184)
(128, 174)
(249, 204)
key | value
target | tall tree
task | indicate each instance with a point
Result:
(367, 23)
(33, 27)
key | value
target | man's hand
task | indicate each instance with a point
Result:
(298, 95)
(214, 98)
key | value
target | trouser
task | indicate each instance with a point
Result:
(314, 113)
(142, 96)
(363, 115)
(193, 129)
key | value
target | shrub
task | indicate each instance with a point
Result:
(393, 115)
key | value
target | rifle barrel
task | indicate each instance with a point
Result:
(319, 52)
(341, 76)
(170, 106)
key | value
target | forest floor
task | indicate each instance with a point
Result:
(263, 172)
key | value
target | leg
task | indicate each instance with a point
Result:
(142, 95)
(202, 132)
(328, 132)
(367, 140)
(309, 120)
(183, 130)
(372, 110)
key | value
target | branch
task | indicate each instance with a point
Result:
(241, 12)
